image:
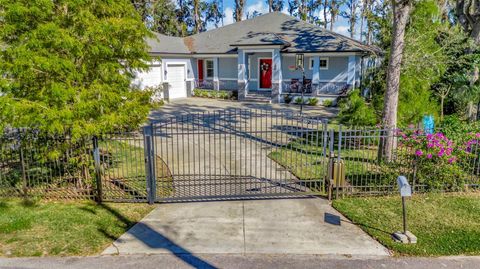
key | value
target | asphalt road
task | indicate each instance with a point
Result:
(238, 261)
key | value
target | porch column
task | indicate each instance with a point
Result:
(351, 71)
(242, 75)
(316, 75)
(216, 82)
(276, 76)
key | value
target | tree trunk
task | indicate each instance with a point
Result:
(353, 18)
(333, 13)
(325, 14)
(196, 15)
(401, 12)
(362, 19)
(442, 100)
(270, 5)
(468, 15)
(239, 9)
(478, 111)
(475, 34)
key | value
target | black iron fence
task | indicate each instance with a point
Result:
(234, 154)
(110, 167)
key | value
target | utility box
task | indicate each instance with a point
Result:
(337, 172)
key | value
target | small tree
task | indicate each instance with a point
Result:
(68, 65)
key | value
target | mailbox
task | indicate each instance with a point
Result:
(405, 189)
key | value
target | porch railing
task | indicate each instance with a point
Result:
(294, 86)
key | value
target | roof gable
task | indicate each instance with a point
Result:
(275, 28)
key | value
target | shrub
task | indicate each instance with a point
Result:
(453, 127)
(299, 101)
(439, 162)
(312, 101)
(287, 99)
(222, 94)
(327, 103)
(355, 111)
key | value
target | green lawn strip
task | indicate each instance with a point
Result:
(306, 163)
(63, 228)
(445, 224)
(128, 167)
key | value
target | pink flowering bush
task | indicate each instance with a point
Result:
(439, 162)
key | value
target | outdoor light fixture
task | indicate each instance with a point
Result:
(405, 191)
(299, 60)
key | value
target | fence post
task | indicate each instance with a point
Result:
(330, 164)
(339, 157)
(149, 163)
(24, 174)
(325, 137)
(98, 171)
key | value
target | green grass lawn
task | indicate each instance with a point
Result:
(445, 224)
(127, 170)
(63, 228)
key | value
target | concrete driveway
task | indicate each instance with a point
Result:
(200, 105)
(287, 226)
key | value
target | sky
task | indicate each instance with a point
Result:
(341, 26)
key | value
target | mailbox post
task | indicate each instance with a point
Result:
(405, 191)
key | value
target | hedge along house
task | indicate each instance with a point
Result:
(257, 57)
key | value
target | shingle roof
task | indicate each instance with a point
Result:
(167, 44)
(274, 28)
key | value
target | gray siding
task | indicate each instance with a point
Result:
(253, 63)
(288, 74)
(227, 68)
(337, 70)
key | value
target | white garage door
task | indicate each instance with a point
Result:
(176, 79)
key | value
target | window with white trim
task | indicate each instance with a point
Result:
(209, 68)
(323, 63)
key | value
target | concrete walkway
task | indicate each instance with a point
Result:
(289, 226)
(234, 261)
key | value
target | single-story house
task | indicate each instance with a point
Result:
(257, 56)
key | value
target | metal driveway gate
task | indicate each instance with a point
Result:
(236, 154)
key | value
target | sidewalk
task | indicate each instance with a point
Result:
(237, 261)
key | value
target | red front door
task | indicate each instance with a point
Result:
(200, 70)
(265, 73)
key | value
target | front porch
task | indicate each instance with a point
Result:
(267, 71)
